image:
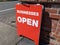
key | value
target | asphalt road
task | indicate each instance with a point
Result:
(8, 34)
(7, 12)
(7, 5)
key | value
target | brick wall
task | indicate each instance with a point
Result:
(50, 32)
(42, 0)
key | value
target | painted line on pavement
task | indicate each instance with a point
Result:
(7, 10)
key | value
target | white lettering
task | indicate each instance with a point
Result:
(28, 12)
(35, 23)
(19, 19)
(23, 20)
(28, 21)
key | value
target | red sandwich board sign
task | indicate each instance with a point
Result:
(28, 21)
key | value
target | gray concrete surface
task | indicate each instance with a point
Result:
(8, 17)
(26, 41)
(8, 35)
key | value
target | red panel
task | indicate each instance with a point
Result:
(28, 21)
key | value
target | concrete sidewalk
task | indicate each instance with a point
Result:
(26, 41)
(8, 35)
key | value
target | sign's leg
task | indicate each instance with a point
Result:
(36, 42)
